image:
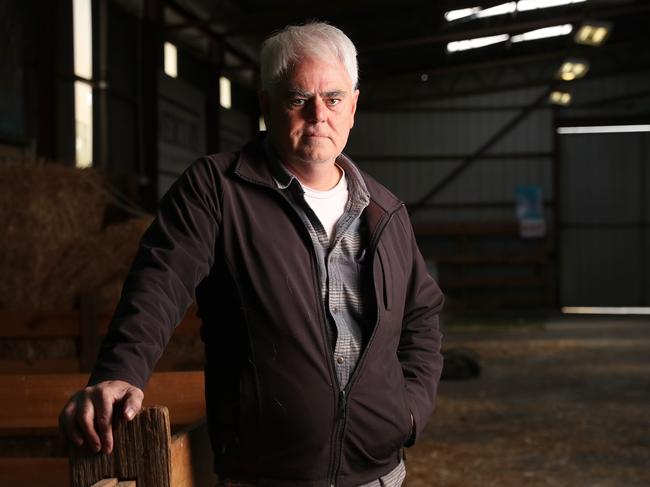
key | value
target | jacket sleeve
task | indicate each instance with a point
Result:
(420, 341)
(175, 254)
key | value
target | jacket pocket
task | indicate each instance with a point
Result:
(387, 278)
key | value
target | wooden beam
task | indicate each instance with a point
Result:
(191, 457)
(31, 403)
(30, 324)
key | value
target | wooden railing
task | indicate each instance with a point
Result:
(31, 404)
(147, 455)
(85, 327)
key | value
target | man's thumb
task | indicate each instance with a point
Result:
(132, 402)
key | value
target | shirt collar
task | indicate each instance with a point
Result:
(284, 178)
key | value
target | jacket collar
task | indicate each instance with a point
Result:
(254, 166)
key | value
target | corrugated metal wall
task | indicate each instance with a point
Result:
(410, 151)
(604, 180)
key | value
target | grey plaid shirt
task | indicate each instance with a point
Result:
(341, 274)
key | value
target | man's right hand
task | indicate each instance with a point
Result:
(86, 420)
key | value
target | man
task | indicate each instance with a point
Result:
(319, 318)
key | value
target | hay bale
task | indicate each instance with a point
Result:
(98, 262)
(44, 210)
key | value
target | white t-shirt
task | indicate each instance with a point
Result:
(328, 205)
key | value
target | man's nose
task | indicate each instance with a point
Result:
(316, 110)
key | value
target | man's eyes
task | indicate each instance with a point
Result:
(300, 102)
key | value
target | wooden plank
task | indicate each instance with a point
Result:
(491, 282)
(21, 324)
(28, 324)
(27, 472)
(191, 457)
(105, 483)
(468, 229)
(31, 403)
(39, 366)
(141, 452)
(492, 259)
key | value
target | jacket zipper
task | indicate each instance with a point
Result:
(337, 433)
(342, 406)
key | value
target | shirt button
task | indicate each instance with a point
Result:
(340, 360)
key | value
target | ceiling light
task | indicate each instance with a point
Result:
(560, 98)
(573, 69)
(593, 33)
(467, 44)
(554, 31)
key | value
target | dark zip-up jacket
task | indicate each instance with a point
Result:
(276, 416)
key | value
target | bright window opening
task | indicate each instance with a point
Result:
(467, 44)
(603, 129)
(83, 115)
(589, 310)
(83, 92)
(83, 43)
(225, 99)
(546, 32)
(262, 124)
(505, 8)
(171, 60)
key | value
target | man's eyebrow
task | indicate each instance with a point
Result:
(299, 92)
(334, 94)
(309, 94)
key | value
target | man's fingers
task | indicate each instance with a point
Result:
(103, 401)
(86, 421)
(88, 416)
(68, 424)
(132, 402)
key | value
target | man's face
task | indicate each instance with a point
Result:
(310, 113)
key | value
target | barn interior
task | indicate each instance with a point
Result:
(517, 134)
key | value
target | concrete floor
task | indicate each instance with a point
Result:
(560, 402)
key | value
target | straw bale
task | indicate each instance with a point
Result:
(94, 262)
(43, 211)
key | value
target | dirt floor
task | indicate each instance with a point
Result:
(560, 402)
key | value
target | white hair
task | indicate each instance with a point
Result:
(313, 40)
